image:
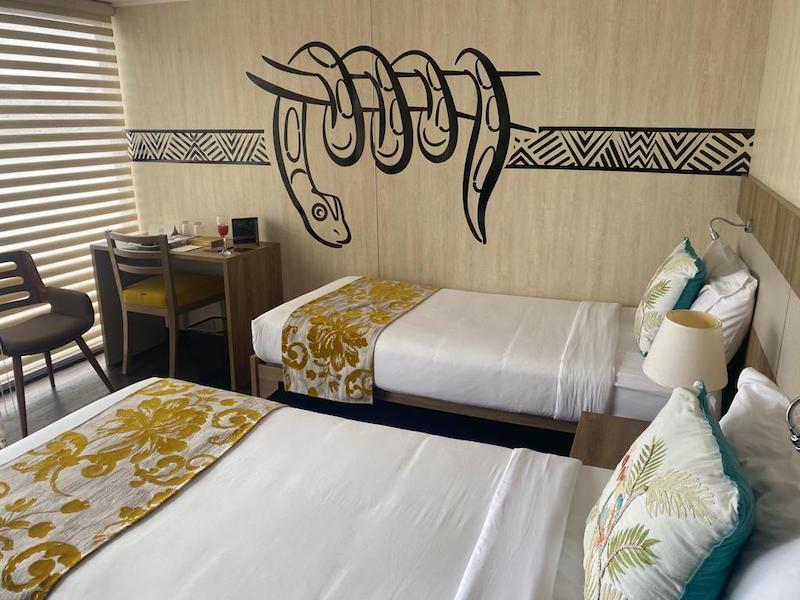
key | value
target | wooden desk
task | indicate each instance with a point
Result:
(602, 440)
(252, 286)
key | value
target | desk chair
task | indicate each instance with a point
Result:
(71, 315)
(161, 292)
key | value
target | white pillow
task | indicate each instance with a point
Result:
(721, 260)
(729, 294)
(769, 564)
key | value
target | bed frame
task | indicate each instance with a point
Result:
(265, 378)
(777, 230)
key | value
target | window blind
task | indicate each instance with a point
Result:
(64, 172)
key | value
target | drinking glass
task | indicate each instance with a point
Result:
(222, 230)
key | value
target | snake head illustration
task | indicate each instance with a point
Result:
(325, 217)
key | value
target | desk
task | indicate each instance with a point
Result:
(252, 287)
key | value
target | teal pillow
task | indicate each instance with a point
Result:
(692, 288)
(712, 574)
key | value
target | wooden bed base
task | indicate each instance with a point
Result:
(265, 379)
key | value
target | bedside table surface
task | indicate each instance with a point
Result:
(602, 440)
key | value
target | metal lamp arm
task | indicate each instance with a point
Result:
(747, 225)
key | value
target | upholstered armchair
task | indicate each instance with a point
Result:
(71, 315)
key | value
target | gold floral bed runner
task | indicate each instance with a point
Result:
(64, 499)
(329, 343)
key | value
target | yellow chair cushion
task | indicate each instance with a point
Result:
(190, 288)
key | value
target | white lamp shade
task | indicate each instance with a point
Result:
(689, 346)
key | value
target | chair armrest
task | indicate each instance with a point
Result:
(70, 303)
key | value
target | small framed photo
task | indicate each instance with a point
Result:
(245, 230)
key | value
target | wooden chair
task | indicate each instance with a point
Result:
(71, 315)
(147, 285)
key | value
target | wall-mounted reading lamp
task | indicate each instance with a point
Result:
(794, 430)
(747, 226)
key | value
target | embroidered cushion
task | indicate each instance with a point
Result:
(675, 513)
(674, 286)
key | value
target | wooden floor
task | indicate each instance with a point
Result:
(78, 385)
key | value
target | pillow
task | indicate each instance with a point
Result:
(675, 513)
(721, 260)
(769, 565)
(674, 287)
(729, 295)
(733, 308)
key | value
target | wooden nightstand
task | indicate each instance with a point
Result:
(602, 440)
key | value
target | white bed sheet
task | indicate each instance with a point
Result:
(313, 506)
(569, 579)
(480, 349)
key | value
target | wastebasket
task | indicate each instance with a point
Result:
(206, 344)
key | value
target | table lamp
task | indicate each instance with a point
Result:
(689, 346)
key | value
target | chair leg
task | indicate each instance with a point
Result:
(125, 343)
(19, 388)
(49, 360)
(173, 346)
(93, 361)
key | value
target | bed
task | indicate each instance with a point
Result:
(446, 355)
(311, 506)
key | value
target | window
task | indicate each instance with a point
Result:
(64, 172)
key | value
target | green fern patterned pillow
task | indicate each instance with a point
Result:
(675, 513)
(675, 286)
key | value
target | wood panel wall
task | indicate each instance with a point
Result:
(773, 253)
(567, 234)
(771, 197)
(776, 156)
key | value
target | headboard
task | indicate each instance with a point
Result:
(773, 254)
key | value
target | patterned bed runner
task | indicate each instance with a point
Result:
(66, 498)
(329, 343)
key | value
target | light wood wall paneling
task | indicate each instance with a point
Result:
(776, 154)
(568, 234)
(572, 234)
(776, 226)
(183, 66)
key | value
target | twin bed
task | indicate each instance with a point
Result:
(313, 506)
(495, 356)
(307, 505)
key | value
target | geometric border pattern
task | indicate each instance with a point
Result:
(200, 146)
(649, 150)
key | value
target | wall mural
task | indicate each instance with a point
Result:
(205, 146)
(410, 99)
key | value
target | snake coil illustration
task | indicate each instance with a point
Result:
(317, 76)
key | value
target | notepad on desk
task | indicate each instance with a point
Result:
(185, 248)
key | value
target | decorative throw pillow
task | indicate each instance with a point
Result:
(674, 287)
(675, 513)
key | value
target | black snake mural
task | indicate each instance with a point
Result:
(412, 101)
(317, 76)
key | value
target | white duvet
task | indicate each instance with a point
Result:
(309, 506)
(539, 356)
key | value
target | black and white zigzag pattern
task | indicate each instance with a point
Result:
(215, 146)
(657, 150)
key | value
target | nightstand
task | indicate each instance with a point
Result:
(602, 440)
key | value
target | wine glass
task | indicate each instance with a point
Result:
(222, 230)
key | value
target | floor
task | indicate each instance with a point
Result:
(78, 385)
